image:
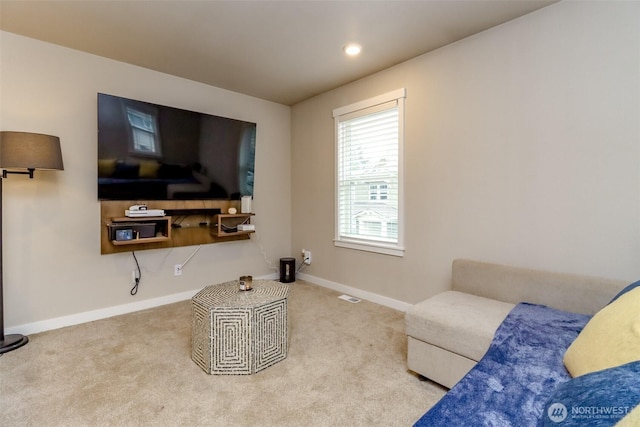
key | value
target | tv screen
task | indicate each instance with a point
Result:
(154, 152)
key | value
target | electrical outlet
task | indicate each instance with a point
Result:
(307, 257)
(177, 270)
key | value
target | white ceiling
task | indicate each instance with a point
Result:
(283, 51)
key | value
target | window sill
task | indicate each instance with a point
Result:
(370, 247)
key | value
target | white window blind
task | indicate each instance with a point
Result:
(143, 128)
(369, 138)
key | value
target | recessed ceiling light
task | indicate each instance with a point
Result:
(352, 49)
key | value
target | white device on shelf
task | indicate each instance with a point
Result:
(138, 208)
(141, 213)
(246, 227)
(245, 204)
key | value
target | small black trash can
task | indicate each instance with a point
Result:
(287, 270)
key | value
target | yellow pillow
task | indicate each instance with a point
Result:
(611, 338)
(106, 167)
(149, 169)
(632, 419)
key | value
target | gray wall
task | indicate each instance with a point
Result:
(522, 146)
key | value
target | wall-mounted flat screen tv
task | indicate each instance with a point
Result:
(154, 152)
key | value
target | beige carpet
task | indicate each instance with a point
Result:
(346, 367)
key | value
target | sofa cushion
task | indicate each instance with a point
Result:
(106, 167)
(611, 338)
(461, 323)
(125, 170)
(149, 169)
(511, 383)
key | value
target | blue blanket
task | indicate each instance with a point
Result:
(597, 399)
(512, 382)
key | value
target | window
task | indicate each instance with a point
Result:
(143, 127)
(369, 147)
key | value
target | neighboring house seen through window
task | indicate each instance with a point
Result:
(378, 191)
(369, 147)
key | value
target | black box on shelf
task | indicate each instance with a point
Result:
(132, 230)
(144, 230)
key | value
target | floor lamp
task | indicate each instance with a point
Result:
(25, 152)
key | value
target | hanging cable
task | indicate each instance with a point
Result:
(191, 256)
(134, 290)
(303, 264)
(264, 253)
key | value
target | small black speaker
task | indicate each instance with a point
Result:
(287, 270)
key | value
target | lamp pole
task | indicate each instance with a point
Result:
(12, 341)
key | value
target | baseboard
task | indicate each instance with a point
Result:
(369, 296)
(90, 316)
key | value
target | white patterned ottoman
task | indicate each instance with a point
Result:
(239, 332)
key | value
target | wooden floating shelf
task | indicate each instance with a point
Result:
(140, 241)
(169, 235)
(230, 221)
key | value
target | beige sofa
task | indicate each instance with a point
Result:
(450, 332)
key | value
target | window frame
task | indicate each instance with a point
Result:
(359, 109)
(133, 144)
